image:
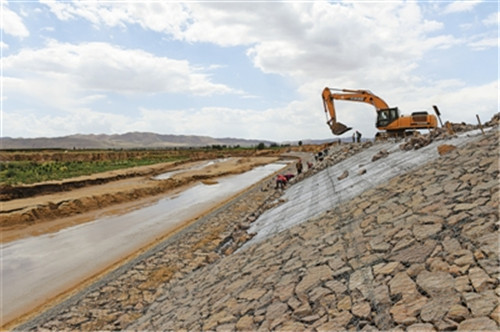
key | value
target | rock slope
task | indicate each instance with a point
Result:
(419, 253)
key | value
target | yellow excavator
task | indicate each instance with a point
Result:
(388, 118)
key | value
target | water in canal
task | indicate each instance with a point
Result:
(33, 269)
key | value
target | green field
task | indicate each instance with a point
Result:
(26, 172)
(33, 166)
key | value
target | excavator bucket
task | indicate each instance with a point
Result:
(339, 128)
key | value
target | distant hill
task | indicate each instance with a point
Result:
(122, 141)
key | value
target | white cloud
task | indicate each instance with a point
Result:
(461, 6)
(12, 23)
(49, 29)
(484, 43)
(53, 125)
(355, 45)
(466, 26)
(270, 124)
(304, 119)
(156, 16)
(492, 19)
(46, 90)
(290, 39)
(463, 104)
(331, 39)
(64, 74)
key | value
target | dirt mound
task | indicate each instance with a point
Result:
(449, 130)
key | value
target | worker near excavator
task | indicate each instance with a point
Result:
(358, 136)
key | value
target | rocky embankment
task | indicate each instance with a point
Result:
(418, 253)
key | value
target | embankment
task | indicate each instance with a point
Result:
(419, 253)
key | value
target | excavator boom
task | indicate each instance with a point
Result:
(364, 96)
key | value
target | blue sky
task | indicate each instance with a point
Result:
(241, 69)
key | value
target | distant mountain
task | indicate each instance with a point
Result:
(122, 141)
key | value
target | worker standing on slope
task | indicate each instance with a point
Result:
(299, 166)
(358, 136)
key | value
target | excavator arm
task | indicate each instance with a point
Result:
(364, 96)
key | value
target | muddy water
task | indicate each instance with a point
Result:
(33, 269)
(199, 166)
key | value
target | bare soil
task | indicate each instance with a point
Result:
(83, 199)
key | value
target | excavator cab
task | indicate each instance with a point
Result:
(386, 116)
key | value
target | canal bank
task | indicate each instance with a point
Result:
(40, 267)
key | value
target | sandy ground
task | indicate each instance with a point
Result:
(119, 191)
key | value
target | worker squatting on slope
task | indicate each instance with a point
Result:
(282, 180)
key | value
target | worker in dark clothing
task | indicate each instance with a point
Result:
(299, 166)
(358, 136)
